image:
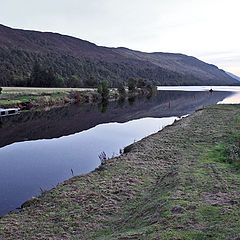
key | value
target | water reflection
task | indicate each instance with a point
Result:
(40, 149)
(234, 98)
(200, 88)
(132, 100)
(68, 120)
(103, 106)
(121, 102)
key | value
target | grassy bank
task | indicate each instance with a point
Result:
(180, 183)
(28, 98)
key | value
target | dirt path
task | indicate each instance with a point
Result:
(180, 183)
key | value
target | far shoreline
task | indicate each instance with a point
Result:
(28, 98)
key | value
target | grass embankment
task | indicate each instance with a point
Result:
(26, 98)
(180, 183)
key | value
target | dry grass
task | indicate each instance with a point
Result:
(33, 89)
(41, 97)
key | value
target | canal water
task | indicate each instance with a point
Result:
(40, 149)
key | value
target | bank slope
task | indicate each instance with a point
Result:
(180, 183)
(79, 63)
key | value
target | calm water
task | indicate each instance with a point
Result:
(41, 149)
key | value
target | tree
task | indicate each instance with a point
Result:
(75, 81)
(43, 78)
(61, 81)
(51, 79)
(91, 82)
(6, 77)
(121, 89)
(35, 78)
(132, 84)
(100, 88)
(103, 89)
(141, 83)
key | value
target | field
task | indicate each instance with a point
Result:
(39, 97)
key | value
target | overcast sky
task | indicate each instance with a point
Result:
(207, 29)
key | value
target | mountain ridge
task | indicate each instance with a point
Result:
(77, 62)
(233, 75)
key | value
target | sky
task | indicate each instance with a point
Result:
(206, 29)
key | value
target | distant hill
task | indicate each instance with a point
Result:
(77, 63)
(233, 76)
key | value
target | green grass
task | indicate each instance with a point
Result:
(38, 96)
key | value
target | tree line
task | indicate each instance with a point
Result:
(132, 85)
(16, 68)
(46, 77)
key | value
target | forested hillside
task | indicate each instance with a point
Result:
(30, 58)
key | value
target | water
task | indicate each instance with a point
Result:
(200, 88)
(41, 149)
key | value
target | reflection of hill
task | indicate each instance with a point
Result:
(72, 119)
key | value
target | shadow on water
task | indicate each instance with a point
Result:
(68, 120)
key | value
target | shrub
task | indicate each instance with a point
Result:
(102, 157)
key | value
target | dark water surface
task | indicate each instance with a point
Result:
(41, 149)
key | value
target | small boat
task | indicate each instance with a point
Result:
(211, 90)
(8, 111)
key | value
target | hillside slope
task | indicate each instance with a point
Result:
(77, 62)
(233, 76)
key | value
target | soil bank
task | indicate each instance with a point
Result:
(180, 183)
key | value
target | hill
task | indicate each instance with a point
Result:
(233, 76)
(78, 63)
